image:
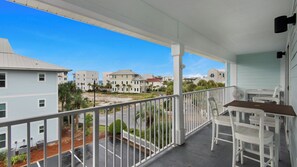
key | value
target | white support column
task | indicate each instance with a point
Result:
(177, 51)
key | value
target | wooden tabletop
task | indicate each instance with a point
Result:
(284, 110)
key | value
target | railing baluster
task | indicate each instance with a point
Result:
(128, 142)
(145, 129)
(134, 145)
(122, 121)
(45, 143)
(166, 120)
(60, 119)
(155, 126)
(140, 133)
(162, 112)
(9, 146)
(84, 140)
(96, 138)
(106, 144)
(173, 119)
(159, 135)
(150, 107)
(28, 144)
(72, 140)
(114, 137)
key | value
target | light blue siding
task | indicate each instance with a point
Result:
(258, 71)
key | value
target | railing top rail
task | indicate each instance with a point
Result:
(205, 90)
(79, 111)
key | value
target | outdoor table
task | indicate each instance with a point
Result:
(277, 110)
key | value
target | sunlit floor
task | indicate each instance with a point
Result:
(196, 152)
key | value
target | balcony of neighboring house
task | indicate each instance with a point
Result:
(177, 130)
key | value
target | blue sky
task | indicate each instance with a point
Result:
(79, 46)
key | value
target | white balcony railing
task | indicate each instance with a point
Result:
(196, 106)
(145, 129)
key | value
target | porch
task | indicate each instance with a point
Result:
(196, 152)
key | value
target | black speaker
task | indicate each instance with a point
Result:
(281, 23)
(279, 55)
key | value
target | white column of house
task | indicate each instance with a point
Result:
(177, 51)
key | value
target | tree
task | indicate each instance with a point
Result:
(108, 85)
(89, 85)
(202, 82)
(211, 84)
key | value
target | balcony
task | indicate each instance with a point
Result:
(123, 146)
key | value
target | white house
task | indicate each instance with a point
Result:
(62, 77)
(106, 77)
(85, 79)
(28, 88)
(127, 81)
(216, 75)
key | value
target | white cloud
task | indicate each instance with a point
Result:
(194, 75)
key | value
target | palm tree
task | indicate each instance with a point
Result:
(79, 102)
(89, 85)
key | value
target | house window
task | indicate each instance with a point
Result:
(2, 110)
(2, 140)
(126, 82)
(41, 103)
(126, 89)
(211, 75)
(126, 76)
(41, 129)
(2, 80)
(41, 77)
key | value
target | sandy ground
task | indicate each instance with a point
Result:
(107, 99)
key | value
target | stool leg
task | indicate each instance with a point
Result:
(271, 155)
(217, 133)
(212, 135)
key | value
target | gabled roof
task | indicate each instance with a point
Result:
(154, 80)
(138, 78)
(123, 72)
(11, 61)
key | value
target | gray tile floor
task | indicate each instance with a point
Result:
(196, 153)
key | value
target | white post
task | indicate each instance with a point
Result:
(177, 51)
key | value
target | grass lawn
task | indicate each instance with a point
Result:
(102, 128)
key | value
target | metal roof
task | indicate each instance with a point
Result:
(123, 72)
(12, 61)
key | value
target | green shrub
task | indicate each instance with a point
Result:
(118, 123)
(3, 155)
(18, 159)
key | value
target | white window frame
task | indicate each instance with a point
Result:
(39, 129)
(5, 110)
(5, 73)
(38, 79)
(39, 103)
(5, 140)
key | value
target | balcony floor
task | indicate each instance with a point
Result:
(196, 152)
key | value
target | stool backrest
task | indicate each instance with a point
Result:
(235, 124)
(213, 107)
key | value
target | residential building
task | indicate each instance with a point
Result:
(147, 76)
(62, 77)
(127, 81)
(167, 78)
(154, 83)
(216, 75)
(28, 88)
(85, 79)
(106, 78)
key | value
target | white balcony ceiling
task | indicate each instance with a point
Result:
(218, 29)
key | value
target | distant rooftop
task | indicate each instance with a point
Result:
(12, 61)
(123, 72)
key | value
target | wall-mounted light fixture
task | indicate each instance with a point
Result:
(281, 23)
(280, 54)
